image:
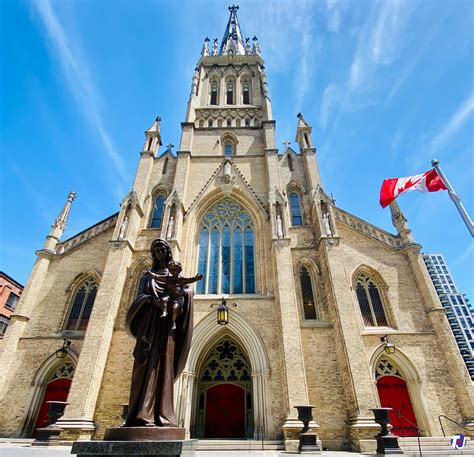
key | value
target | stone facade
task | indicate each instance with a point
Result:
(228, 152)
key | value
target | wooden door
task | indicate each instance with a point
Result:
(225, 412)
(393, 393)
(56, 390)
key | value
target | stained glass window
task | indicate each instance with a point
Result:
(370, 302)
(295, 209)
(307, 295)
(82, 304)
(226, 250)
(158, 211)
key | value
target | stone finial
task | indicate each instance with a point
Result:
(215, 47)
(400, 222)
(205, 47)
(61, 221)
(256, 47)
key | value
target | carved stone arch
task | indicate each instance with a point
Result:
(309, 264)
(230, 71)
(159, 189)
(80, 278)
(229, 137)
(295, 186)
(410, 374)
(206, 335)
(214, 72)
(372, 273)
(40, 379)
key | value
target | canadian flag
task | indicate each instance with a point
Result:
(426, 182)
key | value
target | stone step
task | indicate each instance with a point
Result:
(434, 446)
(239, 445)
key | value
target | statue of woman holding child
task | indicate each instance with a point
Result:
(161, 321)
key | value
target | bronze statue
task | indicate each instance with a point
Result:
(162, 340)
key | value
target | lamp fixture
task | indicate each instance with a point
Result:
(63, 352)
(223, 312)
(389, 347)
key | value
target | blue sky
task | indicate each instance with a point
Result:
(386, 85)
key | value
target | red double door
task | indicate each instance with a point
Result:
(393, 393)
(56, 390)
(225, 412)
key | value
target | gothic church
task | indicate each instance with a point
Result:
(312, 290)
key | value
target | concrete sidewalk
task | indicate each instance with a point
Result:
(19, 449)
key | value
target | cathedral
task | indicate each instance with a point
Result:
(323, 308)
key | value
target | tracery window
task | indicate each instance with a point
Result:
(370, 301)
(246, 93)
(158, 209)
(82, 304)
(295, 208)
(226, 250)
(386, 368)
(230, 92)
(307, 294)
(214, 92)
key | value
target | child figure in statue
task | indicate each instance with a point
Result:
(175, 289)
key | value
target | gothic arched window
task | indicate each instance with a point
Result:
(158, 208)
(214, 93)
(370, 301)
(230, 92)
(246, 92)
(82, 304)
(226, 250)
(295, 209)
(141, 284)
(307, 294)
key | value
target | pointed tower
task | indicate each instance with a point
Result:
(59, 225)
(232, 42)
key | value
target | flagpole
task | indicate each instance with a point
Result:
(454, 197)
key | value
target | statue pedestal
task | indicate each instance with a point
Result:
(138, 442)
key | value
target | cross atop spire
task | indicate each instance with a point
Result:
(232, 42)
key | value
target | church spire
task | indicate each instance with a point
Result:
(61, 220)
(232, 42)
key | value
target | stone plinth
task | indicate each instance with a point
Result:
(170, 448)
(144, 434)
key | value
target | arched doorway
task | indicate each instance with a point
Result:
(393, 393)
(57, 388)
(224, 406)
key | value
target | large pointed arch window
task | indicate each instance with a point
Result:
(226, 250)
(158, 207)
(370, 301)
(82, 304)
(295, 208)
(307, 294)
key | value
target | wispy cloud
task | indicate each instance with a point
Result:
(80, 84)
(465, 255)
(334, 15)
(457, 120)
(379, 44)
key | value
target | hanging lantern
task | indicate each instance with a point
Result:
(63, 352)
(223, 313)
(389, 347)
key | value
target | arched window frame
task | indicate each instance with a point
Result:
(214, 94)
(80, 309)
(230, 95)
(213, 236)
(229, 139)
(310, 271)
(369, 318)
(246, 94)
(162, 195)
(296, 219)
